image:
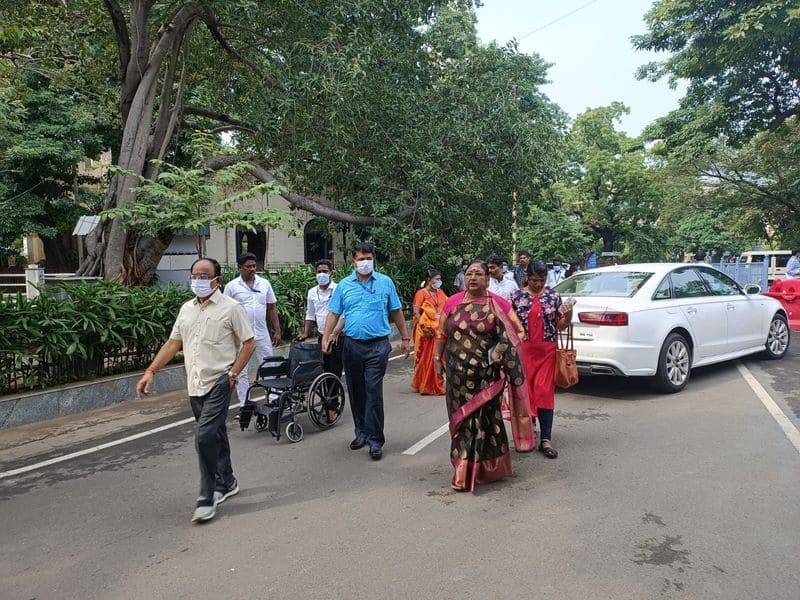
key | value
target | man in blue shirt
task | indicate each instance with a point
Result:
(367, 300)
(793, 266)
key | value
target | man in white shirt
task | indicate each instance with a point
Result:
(793, 266)
(317, 312)
(255, 295)
(556, 274)
(498, 283)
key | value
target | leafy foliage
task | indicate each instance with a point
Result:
(553, 233)
(194, 198)
(740, 60)
(74, 332)
(609, 184)
(45, 134)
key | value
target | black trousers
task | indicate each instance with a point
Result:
(332, 363)
(365, 363)
(211, 438)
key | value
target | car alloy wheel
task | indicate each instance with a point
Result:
(674, 364)
(777, 337)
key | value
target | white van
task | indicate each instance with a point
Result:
(777, 261)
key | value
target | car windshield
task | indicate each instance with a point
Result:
(618, 284)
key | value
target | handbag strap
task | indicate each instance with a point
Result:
(566, 338)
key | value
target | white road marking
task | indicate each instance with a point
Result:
(431, 437)
(93, 449)
(773, 409)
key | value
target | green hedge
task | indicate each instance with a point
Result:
(81, 331)
(87, 330)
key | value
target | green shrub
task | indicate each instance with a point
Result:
(73, 332)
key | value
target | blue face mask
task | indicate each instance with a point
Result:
(437, 284)
(323, 278)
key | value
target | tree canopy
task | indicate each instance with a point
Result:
(376, 113)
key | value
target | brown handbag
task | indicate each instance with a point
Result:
(566, 359)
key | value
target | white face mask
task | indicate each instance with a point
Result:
(557, 268)
(323, 278)
(505, 268)
(201, 287)
(364, 267)
(437, 284)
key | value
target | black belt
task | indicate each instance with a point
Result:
(368, 340)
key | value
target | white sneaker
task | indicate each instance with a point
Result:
(205, 513)
(221, 496)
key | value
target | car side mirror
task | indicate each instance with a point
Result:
(753, 288)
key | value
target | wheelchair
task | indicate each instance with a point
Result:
(292, 386)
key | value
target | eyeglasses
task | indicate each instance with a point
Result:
(202, 277)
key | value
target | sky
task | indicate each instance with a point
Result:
(594, 62)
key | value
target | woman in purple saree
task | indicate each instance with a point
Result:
(476, 347)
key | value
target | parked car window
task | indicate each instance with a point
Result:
(687, 284)
(720, 284)
(664, 291)
(781, 260)
(617, 284)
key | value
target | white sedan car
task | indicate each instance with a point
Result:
(661, 320)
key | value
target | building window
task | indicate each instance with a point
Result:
(317, 241)
(252, 241)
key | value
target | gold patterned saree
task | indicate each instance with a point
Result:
(481, 359)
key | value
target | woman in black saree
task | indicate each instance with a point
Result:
(476, 347)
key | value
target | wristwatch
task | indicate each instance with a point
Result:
(232, 375)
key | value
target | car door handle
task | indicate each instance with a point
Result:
(730, 307)
(691, 311)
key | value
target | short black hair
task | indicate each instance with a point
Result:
(524, 253)
(494, 259)
(537, 267)
(364, 248)
(243, 258)
(214, 263)
(324, 261)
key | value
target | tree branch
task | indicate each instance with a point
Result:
(217, 116)
(299, 201)
(213, 27)
(123, 37)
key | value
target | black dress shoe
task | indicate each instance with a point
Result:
(375, 453)
(358, 443)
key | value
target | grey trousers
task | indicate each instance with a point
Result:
(211, 439)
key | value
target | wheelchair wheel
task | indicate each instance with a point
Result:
(261, 423)
(325, 401)
(294, 431)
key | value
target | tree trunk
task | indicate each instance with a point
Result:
(114, 251)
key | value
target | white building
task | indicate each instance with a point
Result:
(281, 249)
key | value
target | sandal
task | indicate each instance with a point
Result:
(548, 450)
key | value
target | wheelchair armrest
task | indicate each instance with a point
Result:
(273, 366)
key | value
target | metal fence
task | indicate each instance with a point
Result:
(746, 273)
(21, 372)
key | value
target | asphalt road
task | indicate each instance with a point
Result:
(693, 495)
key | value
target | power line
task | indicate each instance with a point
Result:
(556, 20)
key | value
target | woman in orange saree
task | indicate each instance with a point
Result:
(428, 304)
(476, 347)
